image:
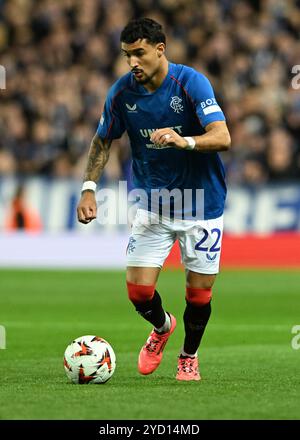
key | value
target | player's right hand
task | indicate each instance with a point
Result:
(87, 207)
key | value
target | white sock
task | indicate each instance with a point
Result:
(166, 327)
(183, 353)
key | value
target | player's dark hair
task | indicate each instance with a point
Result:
(143, 28)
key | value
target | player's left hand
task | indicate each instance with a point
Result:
(167, 136)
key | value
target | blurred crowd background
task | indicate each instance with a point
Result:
(62, 56)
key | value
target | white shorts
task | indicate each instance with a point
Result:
(199, 241)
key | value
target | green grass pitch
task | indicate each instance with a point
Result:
(249, 368)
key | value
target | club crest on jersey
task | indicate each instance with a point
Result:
(131, 109)
(176, 104)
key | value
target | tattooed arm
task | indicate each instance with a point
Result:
(97, 159)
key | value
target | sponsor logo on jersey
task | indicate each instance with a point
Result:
(157, 146)
(131, 109)
(146, 132)
(210, 106)
(176, 104)
(102, 120)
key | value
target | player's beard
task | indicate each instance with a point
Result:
(145, 78)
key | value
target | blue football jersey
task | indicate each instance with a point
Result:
(185, 102)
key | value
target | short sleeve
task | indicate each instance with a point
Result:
(200, 90)
(111, 124)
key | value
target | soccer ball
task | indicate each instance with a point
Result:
(89, 359)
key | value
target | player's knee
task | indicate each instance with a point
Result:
(198, 297)
(138, 293)
(200, 281)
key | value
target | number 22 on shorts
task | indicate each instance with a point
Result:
(200, 246)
